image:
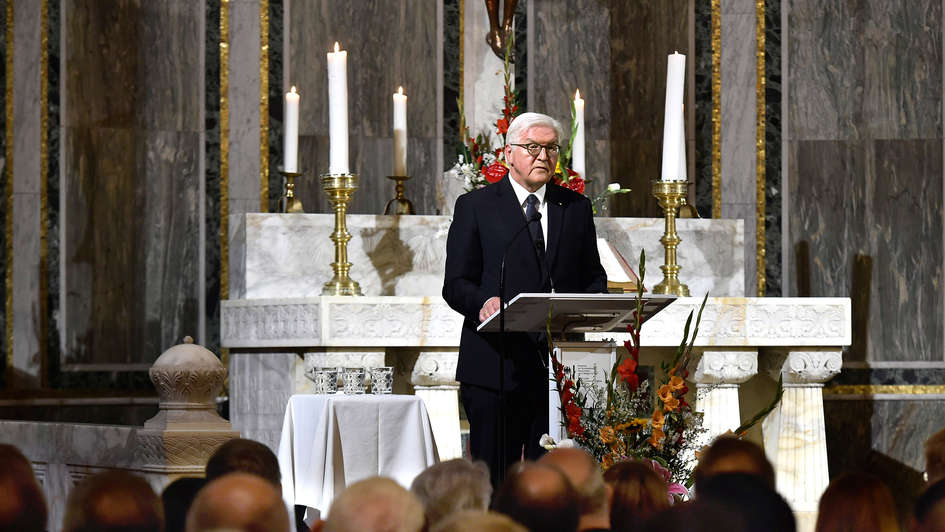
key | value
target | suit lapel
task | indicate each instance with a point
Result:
(510, 212)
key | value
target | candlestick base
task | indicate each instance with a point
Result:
(671, 195)
(340, 188)
(399, 204)
(288, 203)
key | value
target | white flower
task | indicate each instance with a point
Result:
(488, 158)
(613, 187)
(548, 443)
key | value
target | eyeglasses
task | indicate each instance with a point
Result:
(534, 149)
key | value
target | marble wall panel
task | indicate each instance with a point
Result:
(244, 106)
(860, 198)
(131, 178)
(375, 69)
(738, 108)
(619, 63)
(27, 350)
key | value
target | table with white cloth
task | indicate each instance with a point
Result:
(331, 441)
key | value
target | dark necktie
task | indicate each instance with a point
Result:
(534, 227)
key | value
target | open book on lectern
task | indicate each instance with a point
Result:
(529, 312)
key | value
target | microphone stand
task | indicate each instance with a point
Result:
(501, 436)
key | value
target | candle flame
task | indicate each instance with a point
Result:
(577, 94)
(336, 47)
(400, 90)
(293, 89)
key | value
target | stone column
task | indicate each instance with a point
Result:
(434, 380)
(794, 434)
(717, 377)
(187, 429)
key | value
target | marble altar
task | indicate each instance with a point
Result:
(276, 326)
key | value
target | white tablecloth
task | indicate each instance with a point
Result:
(330, 441)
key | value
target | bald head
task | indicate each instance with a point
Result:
(540, 497)
(239, 501)
(375, 504)
(583, 471)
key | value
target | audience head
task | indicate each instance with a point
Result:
(729, 454)
(114, 501)
(244, 456)
(238, 501)
(478, 521)
(539, 497)
(22, 507)
(177, 498)
(375, 504)
(697, 516)
(929, 511)
(638, 493)
(857, 501)
(583, 471)
(750, 497)
(448, 487)
(935, 457)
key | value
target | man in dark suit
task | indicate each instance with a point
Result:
(515, 214)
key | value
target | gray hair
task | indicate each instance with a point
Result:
(452, 486)
(521, 123)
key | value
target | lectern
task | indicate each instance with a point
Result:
(576, 313)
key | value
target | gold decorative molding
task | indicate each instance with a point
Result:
(8, 194)
(224, 148)
(716, 109)
(885, 389)
(264, 105)
(44, 190)
(760, 147)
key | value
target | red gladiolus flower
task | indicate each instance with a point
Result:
(502, 125)
(576, 184)
(495, 172)
(566, 396)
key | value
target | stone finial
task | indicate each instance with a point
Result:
(188, 378)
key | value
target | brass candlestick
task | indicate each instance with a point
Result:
(670, 195)
(399, 204)
(340, 188)
(288, 202)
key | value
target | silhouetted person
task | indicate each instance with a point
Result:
(857, 501)
(540, 497)
(177, 498)
(238, 501)
(478, 521)
(374, 504)
(638, 493)
(22, 506)
(697, 516)
(244, 456)
(929, 510)
(749, 496)
(114, 501)
(452, 486)
(593, 495)
(728, 454)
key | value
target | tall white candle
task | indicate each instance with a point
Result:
(400, 132)
(682, 145)
(672, 119)
(291, 140)
(338, 111)
(577, 148)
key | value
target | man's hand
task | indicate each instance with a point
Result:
(488, 308)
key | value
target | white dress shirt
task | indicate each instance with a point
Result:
(522, 194)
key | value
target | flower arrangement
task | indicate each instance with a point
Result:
(480, 163)
(629, 419)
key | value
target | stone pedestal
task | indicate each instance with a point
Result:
(795, 439)
(187, 429)
(434, 379)
(717, 376)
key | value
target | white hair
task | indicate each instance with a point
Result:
(523, 122)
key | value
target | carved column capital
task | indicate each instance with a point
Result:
(435, 368)
(810, 366)
(726, 367)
